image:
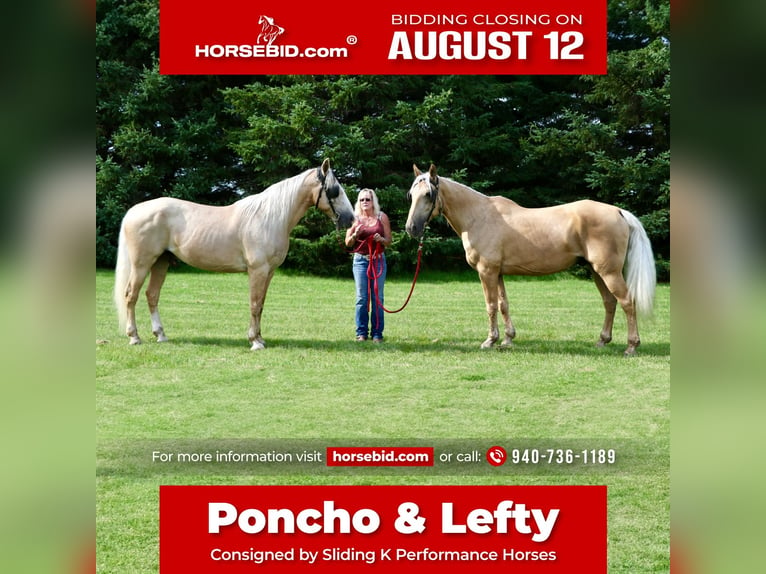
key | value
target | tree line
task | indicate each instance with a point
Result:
(539, 140)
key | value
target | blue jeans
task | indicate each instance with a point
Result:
(366, 325)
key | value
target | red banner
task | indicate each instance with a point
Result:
(345, 529)
(335, 37)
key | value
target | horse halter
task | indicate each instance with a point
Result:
(332, 191)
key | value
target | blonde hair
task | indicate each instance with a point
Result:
(375, 204)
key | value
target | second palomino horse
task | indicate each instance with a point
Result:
(500, 237)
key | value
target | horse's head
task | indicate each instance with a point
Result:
(331, 198)
(423, 197)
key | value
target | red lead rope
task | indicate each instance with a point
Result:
(375, 270)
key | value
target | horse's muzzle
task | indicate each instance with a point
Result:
(344, 221)
(415, 229)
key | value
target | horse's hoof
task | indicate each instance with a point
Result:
(487, 344)
(507, 344)
(134, 341)
(258, 346)
(159, 333)
(629, 352)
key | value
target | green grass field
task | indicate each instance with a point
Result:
(429, 382)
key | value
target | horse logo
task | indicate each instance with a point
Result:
(269, 30)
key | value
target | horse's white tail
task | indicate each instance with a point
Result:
(640, 273)
(121, 276)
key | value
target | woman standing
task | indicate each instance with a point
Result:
(368, 238)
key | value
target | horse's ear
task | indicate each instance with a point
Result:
(326, 166)
(416, 170)
(432, 175)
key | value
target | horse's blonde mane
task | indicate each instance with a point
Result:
(461, 185)
(275, 202)
(465, 187)
(480, 194)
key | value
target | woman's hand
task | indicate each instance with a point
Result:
(351, 234)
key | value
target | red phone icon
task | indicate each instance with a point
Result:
(496, 455)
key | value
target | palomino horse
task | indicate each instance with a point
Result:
(252, 234)
(502, 238)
